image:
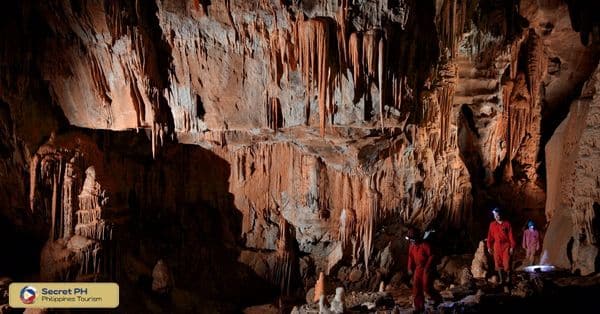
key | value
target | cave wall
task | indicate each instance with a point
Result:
(16, 222)
(111, 211)
(572, 168)
(198, 72)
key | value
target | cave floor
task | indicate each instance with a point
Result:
(527, 293)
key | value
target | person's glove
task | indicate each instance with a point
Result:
(490, 251)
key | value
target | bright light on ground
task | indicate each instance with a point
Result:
(539, 268)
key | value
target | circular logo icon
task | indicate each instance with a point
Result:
(28, 295)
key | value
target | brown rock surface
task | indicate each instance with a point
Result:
(572, 166)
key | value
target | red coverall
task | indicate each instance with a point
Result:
(531, 243)
(500, 239)
(419, 262)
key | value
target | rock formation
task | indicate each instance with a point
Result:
(65, 189)
(572, 210)
(338, 305)
(319, 287)
(161, 278)
(479, 266)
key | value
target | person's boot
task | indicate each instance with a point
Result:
(500, 277)
(507, 276)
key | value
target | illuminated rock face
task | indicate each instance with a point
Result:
(573, 158)
(318, 129)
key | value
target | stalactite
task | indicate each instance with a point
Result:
(329, 95)
(453, 17)
(367, 234)
(99, 80)
(445, 102)
(67, 199)
(306, 182)
(369, 51)
(322, 51)
(277, 55)
(54, 205)
(398, 85)
(341, 33)
(536, 67)
(515, 48)
(354, 45)
(313, 52)
(518, 112)
(153, 136)
(381, 77)
(230, 17)
(355, 251)
(507, 89)
(449, 73)
(343, 224)
(283, 267)
(33, 169)
(273, 109)
(96, 256)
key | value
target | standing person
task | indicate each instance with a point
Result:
(501, 244)
(420, 260)
(531, 242)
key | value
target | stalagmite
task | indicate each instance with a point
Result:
(338, 305)
(69, 191)
(319, 287)
(323, 306)
(162, 280)
(479, 265)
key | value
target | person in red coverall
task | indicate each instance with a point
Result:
(420, 260)
(531, 242)
(501, 244)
